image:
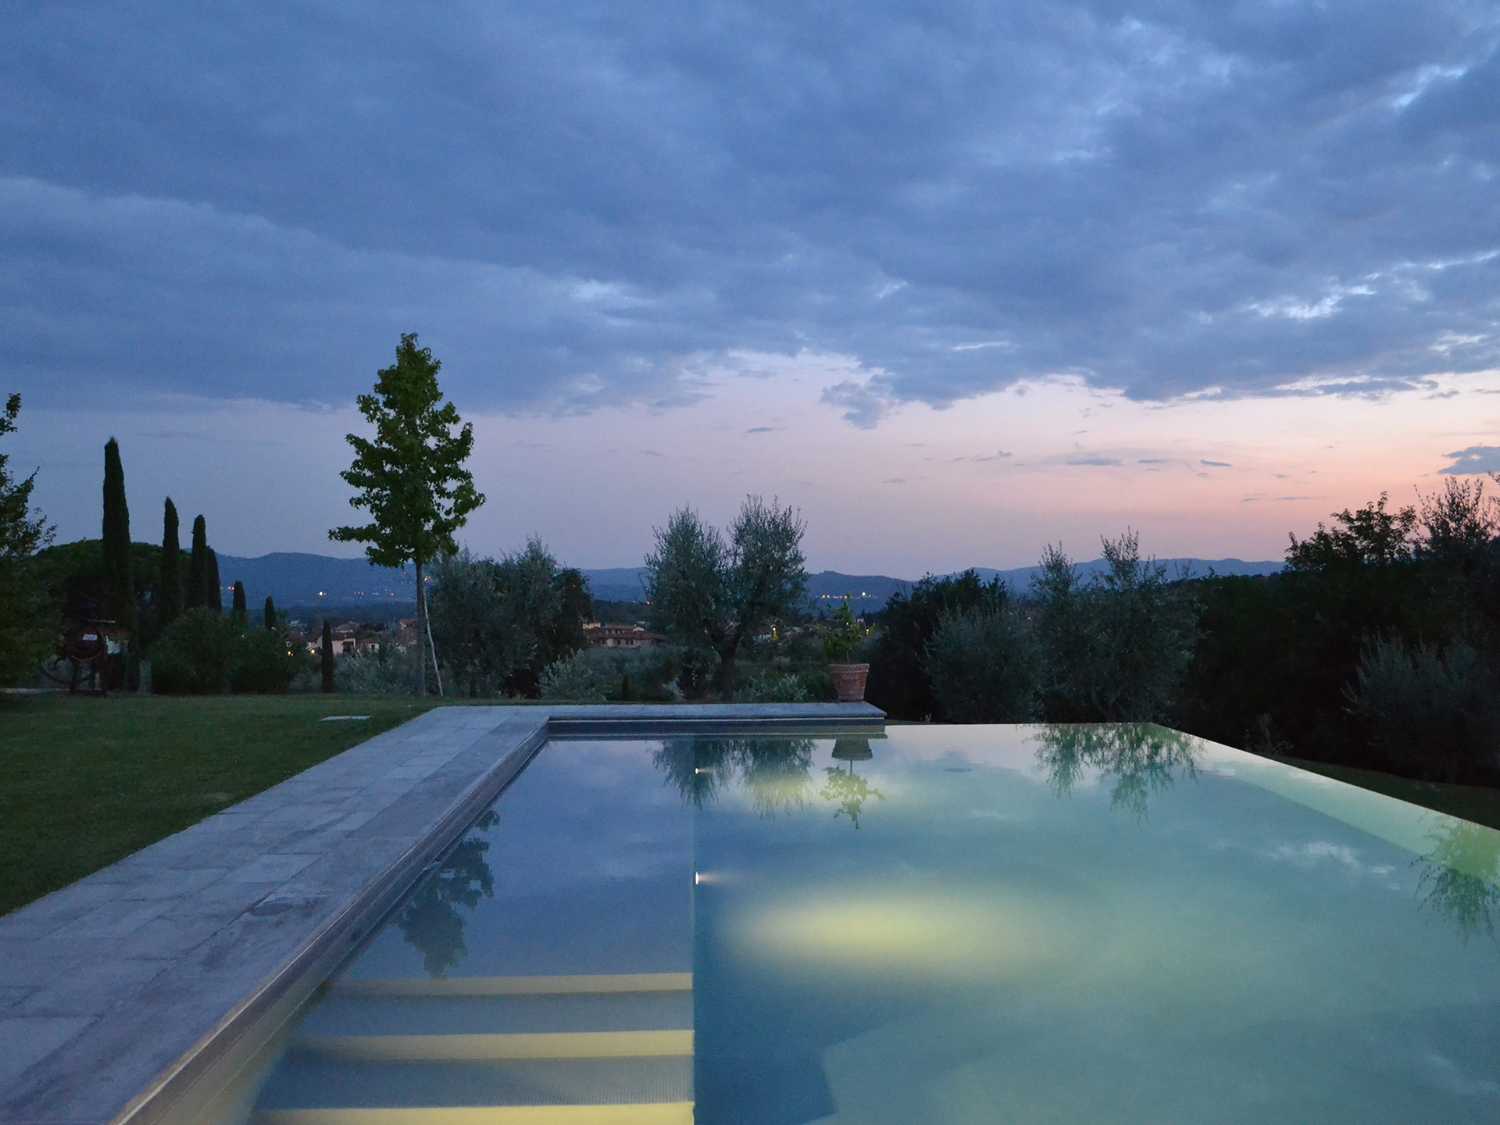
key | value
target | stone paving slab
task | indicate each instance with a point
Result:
(126, 984)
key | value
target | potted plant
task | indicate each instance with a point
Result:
(844, 636)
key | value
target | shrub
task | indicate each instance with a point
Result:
(984, 668)
(576, 678)
(771, 687)
(192, 655)
(387, 672)
(1428, 708)
(260, 663)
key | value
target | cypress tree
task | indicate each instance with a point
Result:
(116, 537)
(197, 581)
(238, 612)
(213, 589)
(327, 656)
(270, 613)
(169, 583)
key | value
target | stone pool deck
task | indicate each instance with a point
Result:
(118, 993)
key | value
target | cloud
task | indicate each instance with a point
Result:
(652, 453)
(1309, 192)
(762, 429)
(1215, 464)
(1093, 461)
(894, 480)
(1473, 460)
(1153, 461)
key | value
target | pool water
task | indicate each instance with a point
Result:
(937, 924)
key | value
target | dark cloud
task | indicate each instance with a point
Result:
(762, 429)
(1473, 460)
(1215, 464)
(1093, 461)
(585, 205)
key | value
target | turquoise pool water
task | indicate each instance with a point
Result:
(942, 924)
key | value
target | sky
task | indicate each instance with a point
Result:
(956, 280)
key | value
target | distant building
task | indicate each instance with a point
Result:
(621, 636)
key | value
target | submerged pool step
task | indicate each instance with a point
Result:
(315, 1089)
(479, 1028)
(515, 986)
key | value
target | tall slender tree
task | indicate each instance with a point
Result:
(410, 477)
(325, 655)
(239, 613)
(25, 628)
(169, 580)
(197, 582)
(116, 537)
(213, 588)
(268, 614)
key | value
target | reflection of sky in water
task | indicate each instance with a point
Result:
(1020, 924)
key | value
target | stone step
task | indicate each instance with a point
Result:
(515, 986)
(381, 1014)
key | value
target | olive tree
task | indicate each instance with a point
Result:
(24, 625)
(710, 589)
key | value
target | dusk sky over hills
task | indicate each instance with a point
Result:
(957, 282)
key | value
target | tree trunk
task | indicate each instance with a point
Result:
(421, 633)
(725, 677)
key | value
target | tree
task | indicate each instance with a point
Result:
(706, 590)
(1369, 536)
(116, 537)
(1459, 523)
(213, 587)
(169, 582)
(24, 628)
(268, 614)
(197, 583)
(410, 478)
(325, 654)
(899, 681)
(239, 612)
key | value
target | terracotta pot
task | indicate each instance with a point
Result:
(849, 681)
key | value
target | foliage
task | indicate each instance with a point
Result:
(1368, 536)
(213, 585)
(239, 612)
(261, 662)
(268, 617)
(198, 582)
(843, 636)
(1117, 649)
(1459, 524)
(707, 589)
(498, 624)
(169, 581)
(116, 538)
(386, 672)
(411, 477)
(325, 657)
(776, 773)
(898, 681)
(431, 921)
(575, 679)
(193, 654)
(984, 667)
(1138, 759)
(1431, 710)
(771, 687)
(26, 629)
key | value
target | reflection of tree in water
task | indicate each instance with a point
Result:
(430, 921)
(775, 771)
(1141, 758)
(1461, 877)
(849, 790)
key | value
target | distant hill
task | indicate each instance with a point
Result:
(303, 579)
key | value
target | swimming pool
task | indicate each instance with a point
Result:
(942, 924)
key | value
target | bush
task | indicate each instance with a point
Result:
(984, 668)
(771, 687)
(192, 656)
(387, 672)
(1436, 711)
(575, 679)
(260, 663)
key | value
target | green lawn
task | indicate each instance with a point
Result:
(85, 781)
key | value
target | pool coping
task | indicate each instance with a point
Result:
(121, 994)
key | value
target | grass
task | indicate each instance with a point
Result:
(89, 780)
